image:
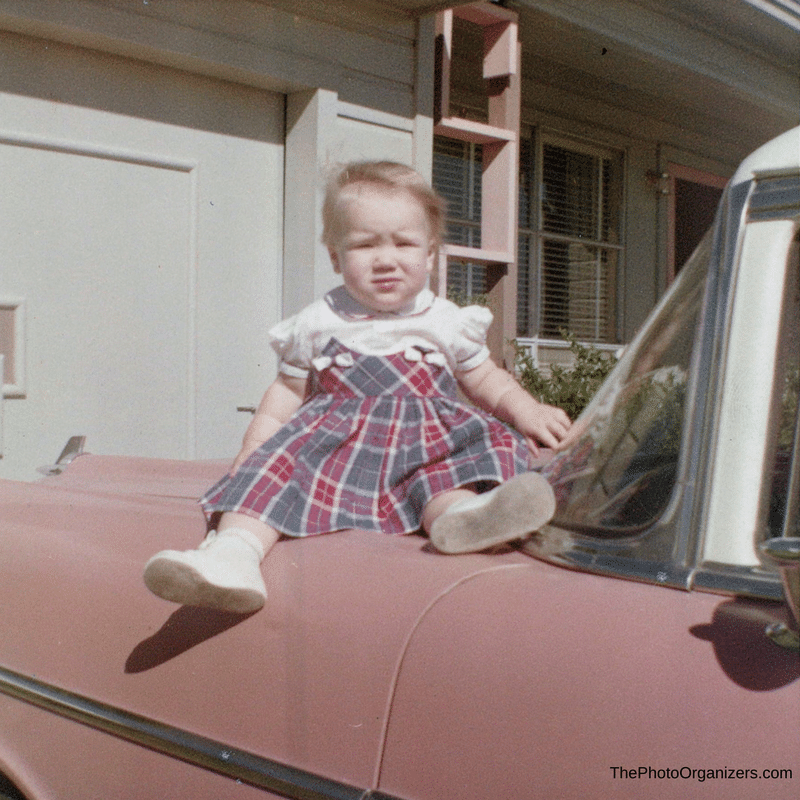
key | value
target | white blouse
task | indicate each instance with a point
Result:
(444, 333)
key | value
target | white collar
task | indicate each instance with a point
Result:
(344, 304)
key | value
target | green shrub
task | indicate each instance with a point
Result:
(461, 299)
(570, 388)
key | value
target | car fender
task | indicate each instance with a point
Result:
(533, 680)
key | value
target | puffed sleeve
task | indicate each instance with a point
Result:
(470, 330)
(293, 346)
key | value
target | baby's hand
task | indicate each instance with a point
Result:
(277, 405)
(495, 390)
(249, 446)
(542, 424)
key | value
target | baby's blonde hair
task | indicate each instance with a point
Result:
(388, 175)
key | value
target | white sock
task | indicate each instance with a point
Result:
(248, 537)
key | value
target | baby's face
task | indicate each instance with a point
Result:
(385, 251)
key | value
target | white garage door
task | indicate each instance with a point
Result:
(140, 242)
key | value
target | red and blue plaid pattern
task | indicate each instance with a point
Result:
(374, 444)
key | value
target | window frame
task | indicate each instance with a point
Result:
(13, 384)
(529, 262)
(532, 229)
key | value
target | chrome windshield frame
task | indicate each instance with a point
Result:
(668, 551)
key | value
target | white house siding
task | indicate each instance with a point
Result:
(146, 244)
(147, 153)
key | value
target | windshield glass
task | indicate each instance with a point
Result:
(619, 475)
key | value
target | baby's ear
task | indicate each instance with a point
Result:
(334, 259)
(433, 254)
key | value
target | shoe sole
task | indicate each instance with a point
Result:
(516, 509)
(181, 583)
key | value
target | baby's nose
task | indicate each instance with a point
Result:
(385, 257)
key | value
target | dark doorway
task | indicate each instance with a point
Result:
(695, 206)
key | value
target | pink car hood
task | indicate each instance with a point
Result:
(307, 681)
(379, 663)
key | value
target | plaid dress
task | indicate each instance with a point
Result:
(379, 437)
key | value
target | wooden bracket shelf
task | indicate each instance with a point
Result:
(478, 255)
(499, 136)
(468, 130)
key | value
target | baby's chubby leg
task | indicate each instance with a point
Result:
(461, 521)
(223, 572)
(232, 521)
(440, 503)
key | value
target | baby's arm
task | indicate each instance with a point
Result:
(279, 403)
(495, 390)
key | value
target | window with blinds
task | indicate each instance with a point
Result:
(569, 233)
(457, 168)
(573, 236)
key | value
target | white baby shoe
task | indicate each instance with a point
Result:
(223, 573)
(510, 511)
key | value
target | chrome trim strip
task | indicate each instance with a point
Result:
(754, 582)
(664, 573)
(199, 751)
(775, 197)
(587, 554)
